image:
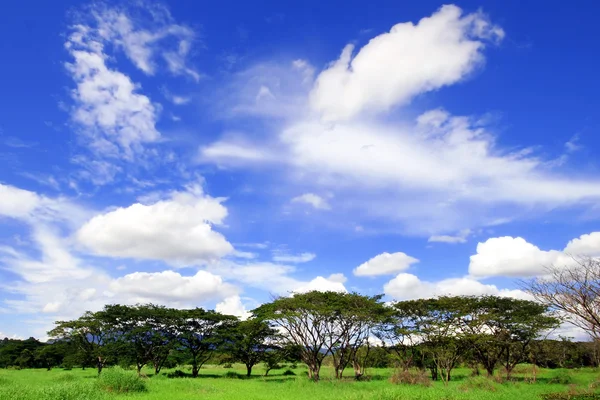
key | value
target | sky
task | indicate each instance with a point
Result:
(219, 155)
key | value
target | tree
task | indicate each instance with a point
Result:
(436, 322)
(49, 356)
(573, 290)
(398, 334)
(509, 327)
(323, 322)
(500, 329)
(89, 334)
(200, 332)
(353, 318)
(249, 341)
(147, 330)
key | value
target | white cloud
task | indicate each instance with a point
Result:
(30, 207)
(115, 118)
(172, 287)
(277, 279)
(396, 66)
(588, 244)
(142, 45)
(175, 99)
(385, 264)
(233, 306)
(339, 277)
(510, 256)
(177, 230)
(440, 173)
(322, 284)
(17, 203)
(407, 286)
(6, 335)
(295, 259)
(461, 237)
(314, 200)
(227, 152)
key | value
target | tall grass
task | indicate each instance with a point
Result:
(118, 380)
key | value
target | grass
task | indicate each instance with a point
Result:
(116, 383)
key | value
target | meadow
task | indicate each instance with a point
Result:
(218, 383)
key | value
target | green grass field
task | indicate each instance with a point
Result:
(219, 383)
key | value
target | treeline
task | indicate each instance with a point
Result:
(340, 329)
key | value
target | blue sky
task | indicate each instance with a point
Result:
(191, 155)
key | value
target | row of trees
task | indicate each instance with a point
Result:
(344, 328)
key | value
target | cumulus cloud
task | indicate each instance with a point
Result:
(410, 59)
(233, 306)
(407, 286)
(277, 279)
(322, 284)
(170, 286)
(385, 264)
(514, 256)
(294, 258)
(178, 230)
(312, 199)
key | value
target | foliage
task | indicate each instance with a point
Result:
(321, 323)
(118, 380)
(410, 377)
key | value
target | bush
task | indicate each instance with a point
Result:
(227, 365)
(177, 374)
(477, 383)
(117, 380)
(410, 378)
(232, 375)
(561, 378)
(288, 372)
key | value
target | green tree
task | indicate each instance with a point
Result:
(200, 333)
(321, 323)
(249, 341)
(89, 333)
(501, 329)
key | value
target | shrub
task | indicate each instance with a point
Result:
(288, 372)
(227, 365)
(177, 374)
(411, 378)
(232, 375)
(561, 378)
(477, 383)
(117, 380)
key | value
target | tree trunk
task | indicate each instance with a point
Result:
(313, 372)
(194, 367)
(99, 365)
(358, 371)
(434, 373)
(248, 370)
